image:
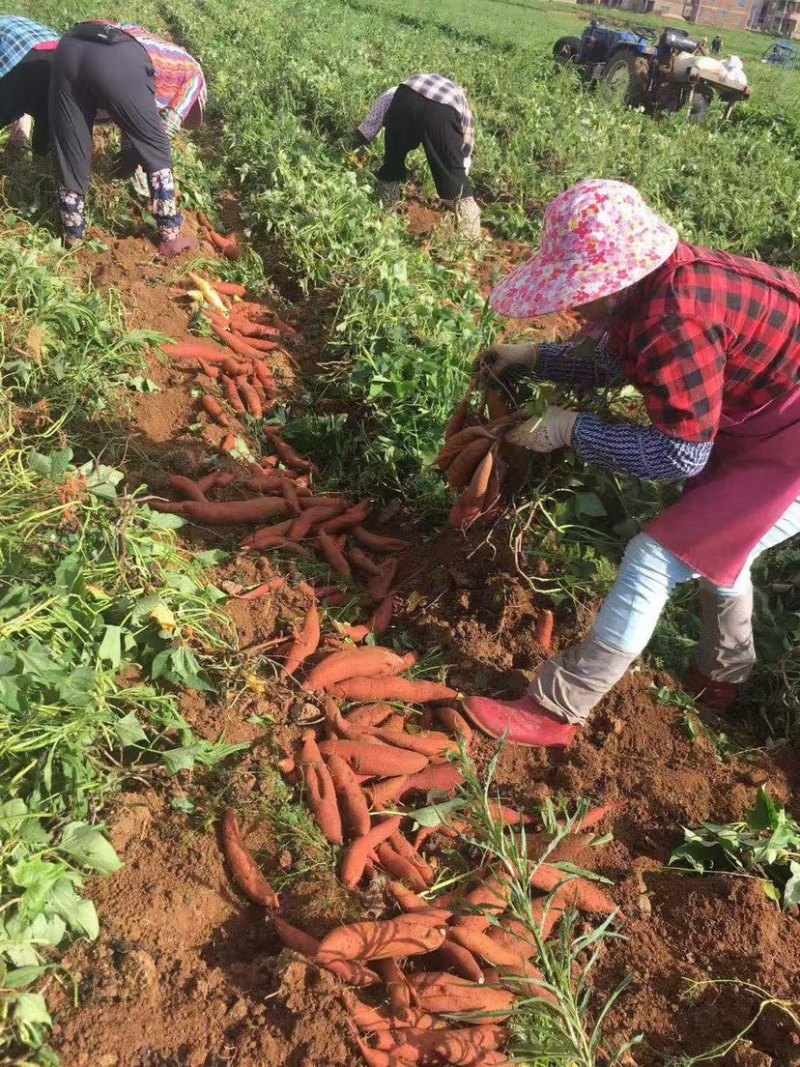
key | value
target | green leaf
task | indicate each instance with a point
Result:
(110, 648)
(53, 465)
(79, 914)
(435, 814)
(87, 845)
(771, 890)
(212, 557)
(30, 1010)
(180, 759)
(764, 814)
(129, 730)
(791, 891)
(22, 976)
(589, 504)
(158, 520)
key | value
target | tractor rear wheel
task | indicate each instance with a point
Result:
(565, 49)
(626, 75)
(699, 109)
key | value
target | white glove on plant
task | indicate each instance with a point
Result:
(545, 433)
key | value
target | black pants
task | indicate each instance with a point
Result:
(413, 120)
(90, 76)
(25, 91)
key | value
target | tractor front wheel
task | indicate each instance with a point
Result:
(626, 76)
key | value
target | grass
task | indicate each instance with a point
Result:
(99, 607)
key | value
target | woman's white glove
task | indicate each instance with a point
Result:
(545, 433)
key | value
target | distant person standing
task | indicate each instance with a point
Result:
(432, 111)
(716, 45)
(26, 51)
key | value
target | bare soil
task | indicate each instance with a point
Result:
(186, 972)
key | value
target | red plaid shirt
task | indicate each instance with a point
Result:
(709, 335)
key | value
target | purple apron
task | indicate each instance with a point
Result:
(751, 479)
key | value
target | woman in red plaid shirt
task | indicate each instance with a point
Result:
(712, 342)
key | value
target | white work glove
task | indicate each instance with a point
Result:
(545, 433)
(494, 362)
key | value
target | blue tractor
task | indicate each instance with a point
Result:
(655, 73)
(782, 54)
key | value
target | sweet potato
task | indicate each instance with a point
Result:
(252, 401)
(243, 867)
(187, 487)
(289, 493)
(353, 663)
(236, 344)
(380, 1058)
(355, 974)
(264, 376)
(448, 994)
(261, 590)
(194, 350)
(456, 421)
(379, 543)
(348, 519)
(455, 722)
(413, 904)
(401, 868)
(361, 561)
(410, 691)
(234, 367)
(350, 796)
(489, 897)
(357, 852)
(584, 894)
(380, 1019)
(369, 715)
(524, 948)
(440, 778)
(306, 642)
(375, 759)
(456, 959)
(594, 816)
(214, 409)
(383, 939)
(254, 329)
(397, 986)
(508, 816)
(228, 443)
(208, 369)
(232, 512)
(232, 393)
(460, 1048)
(464, 465)
(229, 288)
(404, 848)
(333, 554)
(380, 585)
(216, 480)
(308, 518)
(544, 630)
(434, 745)
(287, 454)
(474, 495)
(481, 945)
(453, 445)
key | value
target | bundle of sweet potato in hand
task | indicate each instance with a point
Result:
(473, 455)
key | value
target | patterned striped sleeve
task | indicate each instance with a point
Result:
(371, 126)
(559, 363)
(642, 451)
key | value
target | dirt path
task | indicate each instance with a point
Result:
(186, 973)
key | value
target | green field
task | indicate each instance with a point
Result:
(91, 675)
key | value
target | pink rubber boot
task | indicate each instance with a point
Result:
(524, 721)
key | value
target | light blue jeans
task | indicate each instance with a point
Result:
(573, 681)
(649, 574)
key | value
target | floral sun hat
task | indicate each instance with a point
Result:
(598, 238)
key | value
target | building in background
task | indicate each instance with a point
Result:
(721, 14)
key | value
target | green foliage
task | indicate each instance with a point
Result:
(765, 845)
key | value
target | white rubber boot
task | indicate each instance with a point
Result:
(468, 219)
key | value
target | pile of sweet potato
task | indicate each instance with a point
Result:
(249, 331)
(474, 455)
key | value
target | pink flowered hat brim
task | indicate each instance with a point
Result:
(598, 238)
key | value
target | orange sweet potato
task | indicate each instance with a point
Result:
(357, 852)
(408, 690)
(353, 663)
(382, 939)
(243, 867)
(375, 759)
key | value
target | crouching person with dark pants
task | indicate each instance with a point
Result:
(26, 51)
(431, 111)
(98, 67)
